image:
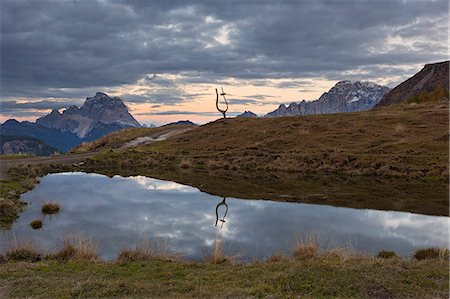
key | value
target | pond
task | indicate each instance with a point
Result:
(119, 212)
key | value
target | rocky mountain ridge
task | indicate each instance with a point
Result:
(247, 114)
(345, 96)
(433, 77)
(97, 112)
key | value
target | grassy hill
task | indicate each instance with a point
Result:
(401, 141)
(119, 139)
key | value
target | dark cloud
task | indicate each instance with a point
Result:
(11, 106)
(254, 102)
(70, 49)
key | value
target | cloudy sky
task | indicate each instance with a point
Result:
(164, 58)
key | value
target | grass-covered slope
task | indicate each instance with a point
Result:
(402, 141)
(310, 278)
(121, 138)
(391, 158)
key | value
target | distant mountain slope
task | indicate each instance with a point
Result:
(99, 112)
(62, 141)
(25, 145)
(181, 123)
(345, 96)
(433, 77)
(247, 114)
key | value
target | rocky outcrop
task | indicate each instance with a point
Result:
(431, 78)
(247, 114)
(99, 111)
(345, 96)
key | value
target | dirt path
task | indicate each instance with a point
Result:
(62, 159)
(155, 137)
(73, 158)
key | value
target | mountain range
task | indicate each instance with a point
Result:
(345, 96)
(98, 116)
(101, 114)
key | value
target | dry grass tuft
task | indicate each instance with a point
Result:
(22, 250)
(145, 251)
(309, 247)
(77, 248)
(49, 208)
(7, 208)
(185, 164)
(431, 253)
(276, 257)
(36, 224)
(217, 255)
(384, 254)
(306, 247)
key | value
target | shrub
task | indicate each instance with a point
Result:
(274, 258)
(7, 208)
(78, 248)
(185, 164)
(22, 251)
(50, 208)
(146, 251)
(384, 254)
(36, 224)
(304, 248)
(431, 253)
(217, 255)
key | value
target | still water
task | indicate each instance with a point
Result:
(118, 212)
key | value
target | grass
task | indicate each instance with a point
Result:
(398, 141)
(36, 224)
(79, 248)
(327, 277)
(119, 138)
(74, 270)
(15, 156)
(217, 254)
(22, 250)
(432, 253)
(50, 208)
(306, 247)
(147, 251)
(384, 254)
(7, 208)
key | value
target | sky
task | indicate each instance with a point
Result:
(164, 58)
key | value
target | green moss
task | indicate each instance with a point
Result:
(432, 179)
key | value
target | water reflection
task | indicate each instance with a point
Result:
(118, 212)
(222, 203)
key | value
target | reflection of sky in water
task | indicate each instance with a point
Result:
(117, 212)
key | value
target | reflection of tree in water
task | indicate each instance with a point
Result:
(222, 203)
